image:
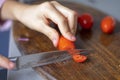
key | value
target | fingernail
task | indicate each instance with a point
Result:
(11, 65)
(55, 42)
(73, 38)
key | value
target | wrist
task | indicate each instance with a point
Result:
(12, 10)
(18, 12)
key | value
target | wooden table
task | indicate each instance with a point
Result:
(102, 64)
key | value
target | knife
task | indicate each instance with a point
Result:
(43, 58)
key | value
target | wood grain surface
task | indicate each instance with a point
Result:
(102, 64)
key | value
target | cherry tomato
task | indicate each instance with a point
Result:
(79, 58)
(86, 21)
(65, 44)
(108, 24)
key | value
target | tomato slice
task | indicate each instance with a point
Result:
(65, 44)
(79, 58)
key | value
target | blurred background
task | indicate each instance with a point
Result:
(111, 7)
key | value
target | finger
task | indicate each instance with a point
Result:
(42, 25)
(70, 14)
(5, 63)
(73, 22)
(53, 14)
(51, 33)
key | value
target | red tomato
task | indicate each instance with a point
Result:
(65, 44)
(79, 58)
(108, 24)
(86, 21)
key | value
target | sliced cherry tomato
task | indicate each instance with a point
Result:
(65, 44)
(79, 58)
(108, 24)
(86, 21)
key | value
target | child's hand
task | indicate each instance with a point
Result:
(5, 63)
(37, 17)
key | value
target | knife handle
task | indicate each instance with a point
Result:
(13, 59)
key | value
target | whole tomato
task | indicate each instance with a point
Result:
(108, 24)
(86, 21)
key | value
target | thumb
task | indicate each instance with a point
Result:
(5, 63)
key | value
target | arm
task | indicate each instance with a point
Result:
(11, 9)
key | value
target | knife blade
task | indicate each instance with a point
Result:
(43, 58)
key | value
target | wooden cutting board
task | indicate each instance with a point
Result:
(102, 64)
